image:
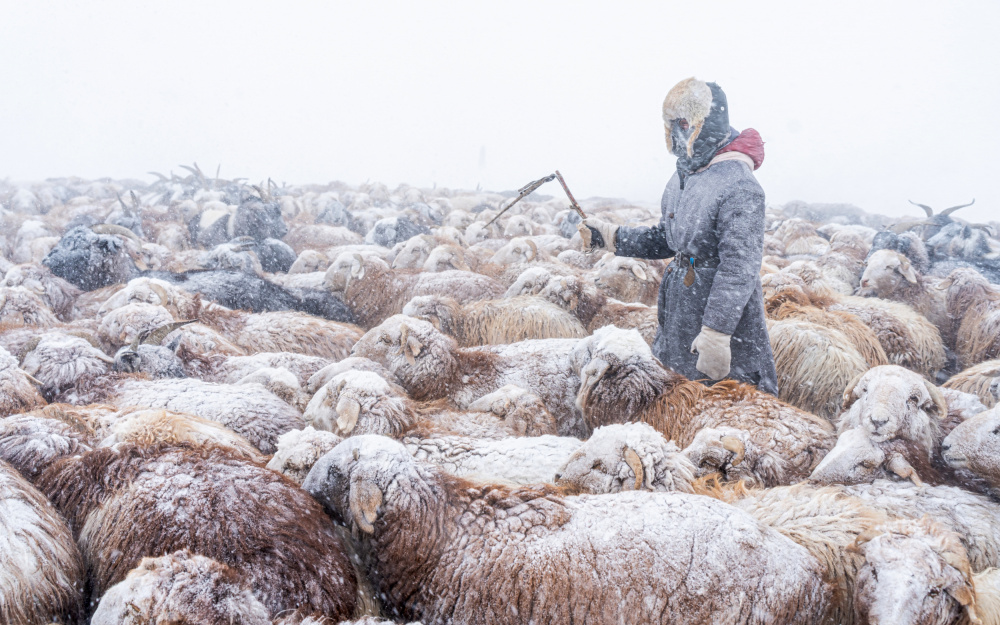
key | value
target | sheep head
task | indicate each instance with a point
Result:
(442, 312)
(523, 411)
(892, 402)
(422, 358)
(309, 261)
(144, 291)
(413, 252)
(914, 572)
(446, 258)
(530, 282)
(298, 451)
(622, 278)
(856, 459)
(518, 226)
(886, 271)
(349, 267)
(518, 250)
(734, 455)
(975, 445)
(359, 478)
(358, 402)
(622, 457)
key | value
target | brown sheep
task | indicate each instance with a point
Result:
(621, 382)
(493, 322)
(861, 337)
(203, 499)
(31, 442)
(982, 380)
(42, 574)
(374, 292)
(626, 279)
(18, 392)
(444, 549)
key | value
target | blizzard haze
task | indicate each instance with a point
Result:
(871, 103)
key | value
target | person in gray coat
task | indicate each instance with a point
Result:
(710, 308)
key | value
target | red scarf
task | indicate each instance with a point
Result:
(748, 142)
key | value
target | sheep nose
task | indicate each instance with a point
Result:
(945, 447)
(864, 282)
(558, 476)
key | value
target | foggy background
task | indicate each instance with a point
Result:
(870, 103)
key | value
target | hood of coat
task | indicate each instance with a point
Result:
(747, 142)
(696, 123)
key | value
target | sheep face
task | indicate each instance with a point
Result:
(622, 353)
(417, 354)
(309, 261)
(975, 445)
(519, 250)
(446, 258)
(622, 457)
(622, 278)
(518, 226)
(360, 477)
(733, 454)
(523, 411)
(298, 451)
(892, 402)
(413, 253)
(530, 282)
(440, 311)
(346, 268)
(358, 402)
(856, 459)
(915, 573)
(885, 273)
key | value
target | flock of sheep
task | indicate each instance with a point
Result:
(226, 403)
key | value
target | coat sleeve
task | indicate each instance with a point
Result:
(740, 230)
(643, 242)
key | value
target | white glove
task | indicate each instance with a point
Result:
(714, 355)
(597, 234)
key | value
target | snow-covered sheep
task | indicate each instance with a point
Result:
(733, 455)
(18, 393)
(375, 292)
(627, 279)
(183, 587)
(298, 451)
(974, 445)
(481, 560)
(814, 363)
(982, 380)
(42, 577)
(430, 365)
(860, 336)
(31, 442)
(151, 427)
(351, 363)
(630, 456)
(250, 410)
(57, 360)
(494, 322)
(57, 294)
(19, 305)
(446, 258)
(621, 382)
(918, 573)
(362, 402)
(174, 497)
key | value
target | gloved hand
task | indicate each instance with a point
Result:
(597, 234)
(713, 351)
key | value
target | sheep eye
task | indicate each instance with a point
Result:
(933, 592)
(997, 430)
(596, 465)
(385, 339)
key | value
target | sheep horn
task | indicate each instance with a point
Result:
(161, 177)
(160, 292)
(115, 229)
(32, 378)
(135, 200)
(122, 202)
(348, 410)
(735, 445)
(634, 463)
(903, 226)
(155, 337)
(952, 209)
(534, 249)
(104, 358)
(927, 209)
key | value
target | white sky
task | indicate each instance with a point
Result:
(871, 102)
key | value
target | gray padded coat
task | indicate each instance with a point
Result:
(718, 220)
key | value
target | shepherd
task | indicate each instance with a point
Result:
(710, 307)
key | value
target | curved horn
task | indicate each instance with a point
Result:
(735, 445)
(32, 378)
(634, 463)
(903, 226)
(160, 292)
(155, 337)
(122, 202)
(135, 200)
(534, 249)
(952, 209)
(104, 357)
(927, 209)
(117, 230)
(899, 465)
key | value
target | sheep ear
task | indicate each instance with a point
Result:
(849, 395)
(161, 293)
(412, 349)
(906, 269)
(348, 410)
(898, 465)
(634, 463)
(358, 268)
(639, 271)
(364, 500)
(965, 597)
(939, 406)
(735, 445)
(862, 538)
